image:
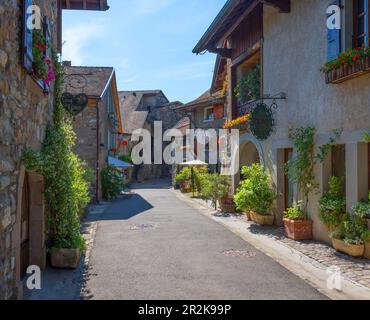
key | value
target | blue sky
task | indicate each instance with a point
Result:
(148, 42)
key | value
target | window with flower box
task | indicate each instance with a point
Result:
(37, 47)
(348, 52)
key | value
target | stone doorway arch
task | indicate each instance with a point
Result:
(250, 152)
(29, 234)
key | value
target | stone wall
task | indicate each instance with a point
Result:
(24, 114)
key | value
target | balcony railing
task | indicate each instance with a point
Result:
(247, 108)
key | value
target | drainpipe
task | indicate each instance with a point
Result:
(97, 151)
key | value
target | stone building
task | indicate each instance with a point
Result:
(98, 127)
(139, 110)
(290, 41)
(25, 110)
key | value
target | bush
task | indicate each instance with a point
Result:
(353, 230)
(214, 187)
(296, 212)
(112, 182)
(255, 191)
(362, 209)
(184, 175)
(126, 158)
(66, 187)
(333, 204)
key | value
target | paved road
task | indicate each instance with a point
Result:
(154, 246)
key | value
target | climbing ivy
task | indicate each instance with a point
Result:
(66, 187)
(301, 168)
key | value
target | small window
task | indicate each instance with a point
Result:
(361, 23)
(209, 114)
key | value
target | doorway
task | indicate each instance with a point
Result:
(25, 227)
(288, 184)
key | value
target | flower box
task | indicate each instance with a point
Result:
(248, 216)
(65, 258)
(264, 220)
(298, 229)
(348, 65)
(356, 251)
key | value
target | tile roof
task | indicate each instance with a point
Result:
(89, 80)
(131, 119)
(205, 100)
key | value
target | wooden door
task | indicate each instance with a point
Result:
(289, 186)
(25, 228)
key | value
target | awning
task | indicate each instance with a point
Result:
(118, 163)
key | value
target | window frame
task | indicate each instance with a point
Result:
(356, 17)
(206, 119)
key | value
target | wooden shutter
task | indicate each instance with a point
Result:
(47, 35)
(334, 39)
(27, 38)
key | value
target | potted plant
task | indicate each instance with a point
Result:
(183, 178)
(351, 236)
(296, 223)
(332, 205)
(215, 187)
(255, 194)
(249, 86)
(363, 210)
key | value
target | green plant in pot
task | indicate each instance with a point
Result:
(351, 236)
(296, 224)
(183, 178)
(332, 206)
(66, 187)
(256, 195)
(215, 187)
(301, 171)
(362, 209)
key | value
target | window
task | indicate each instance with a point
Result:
(288, 185)
(338, 162)
(209, 114)
(361, 23)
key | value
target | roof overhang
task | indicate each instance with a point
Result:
(96, 5)
(230, 16)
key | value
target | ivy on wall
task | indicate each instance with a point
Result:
(301, 168)
(66, 186)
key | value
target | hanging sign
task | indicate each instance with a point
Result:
(74, 104)
(262, 122)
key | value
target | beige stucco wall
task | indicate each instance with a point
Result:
(294, 50)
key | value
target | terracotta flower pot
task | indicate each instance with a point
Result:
(298, 229)
(227, 205)
(248, 216)
(264, 220)
(352, 250)
(65, 258)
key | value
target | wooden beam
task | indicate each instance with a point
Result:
(282, 5)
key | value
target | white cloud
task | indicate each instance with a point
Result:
(76, 38)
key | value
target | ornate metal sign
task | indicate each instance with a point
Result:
(262, 122)
(74, 104)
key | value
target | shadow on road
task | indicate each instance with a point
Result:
(125, 208)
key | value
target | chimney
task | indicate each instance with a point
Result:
(67, 63)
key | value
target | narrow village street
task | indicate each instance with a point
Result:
(155, 246)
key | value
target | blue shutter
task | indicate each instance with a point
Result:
(27, 38)
(334, 39)
(47, 35)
